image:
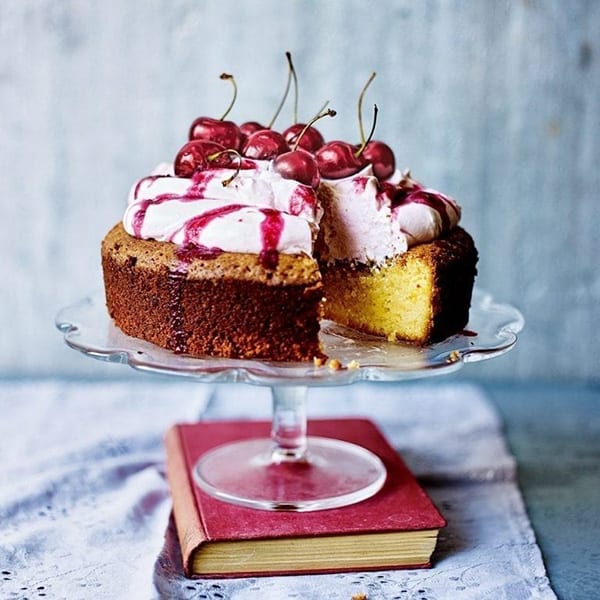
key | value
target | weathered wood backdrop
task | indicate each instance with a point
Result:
(496, 102)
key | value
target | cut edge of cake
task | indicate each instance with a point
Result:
(421, 296)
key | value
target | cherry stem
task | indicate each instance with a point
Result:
(360, 101)
(285, 94)
(230, 78)
(295, 78)
(325, 105)
(328, 113)
(215, 155)
(365, 142)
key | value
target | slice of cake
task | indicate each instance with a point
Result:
(393, 260)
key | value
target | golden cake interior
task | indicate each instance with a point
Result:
(420, 296)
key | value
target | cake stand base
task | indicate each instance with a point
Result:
(253, 473)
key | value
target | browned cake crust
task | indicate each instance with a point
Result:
(434, 286)
(228, 306)
(453, 261)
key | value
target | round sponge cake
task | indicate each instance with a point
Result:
(230, 305)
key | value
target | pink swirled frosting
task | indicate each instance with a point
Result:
(368, 221)
(257, 211)
(260, 212)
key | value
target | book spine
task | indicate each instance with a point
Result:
(190, 529)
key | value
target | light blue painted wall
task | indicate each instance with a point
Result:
(495, 102)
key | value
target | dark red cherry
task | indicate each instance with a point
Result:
(249, 127)
(311, 140)
(193, 156)
(338, 159)
(226, 133)
(264, 145)
(299, 165)
(382, 158)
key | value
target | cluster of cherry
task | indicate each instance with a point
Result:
(299, 152)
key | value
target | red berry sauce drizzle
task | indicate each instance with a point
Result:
(176, 276)
(302, 196)
(270, 229)
(436, 202)
(195, 191)
(385, 191)
(193, 227)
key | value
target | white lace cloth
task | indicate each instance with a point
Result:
(84, 505)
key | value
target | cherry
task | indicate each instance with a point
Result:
(299, 165)
(193, 156)
(338, 159)
(230, 159)
(311, 140)
(265, 145)
(382, 158)
(249, 127)
(199, 155)
(226, 133)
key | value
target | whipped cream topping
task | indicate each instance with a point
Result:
(259, 212)
(256, 212)
(368, 221)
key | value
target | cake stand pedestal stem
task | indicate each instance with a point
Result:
(288, 431)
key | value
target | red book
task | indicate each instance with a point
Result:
(396, 528)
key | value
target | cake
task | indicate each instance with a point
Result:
(242, 245)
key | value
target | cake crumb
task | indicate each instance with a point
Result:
(353, 364)
(319, 361)
(453, 357)
(335, 364)
(359, 596)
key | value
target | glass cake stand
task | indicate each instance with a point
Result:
(290, 470)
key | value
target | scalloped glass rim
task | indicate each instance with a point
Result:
(88, 328)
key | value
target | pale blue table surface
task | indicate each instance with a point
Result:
(554, 432)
